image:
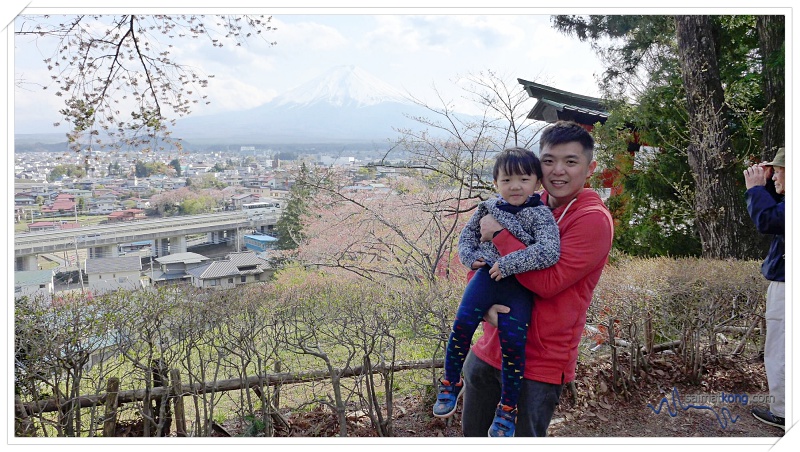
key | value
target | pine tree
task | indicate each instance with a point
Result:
(289, 228)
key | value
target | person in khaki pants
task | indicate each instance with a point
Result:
(767, 209)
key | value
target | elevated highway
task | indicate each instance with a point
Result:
(169, 235)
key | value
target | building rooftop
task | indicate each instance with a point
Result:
(113, 264)
(217, 269)
(33, 277)
(186, 258)
(554, 104)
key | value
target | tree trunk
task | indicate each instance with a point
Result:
(723, 223)
(772, 39)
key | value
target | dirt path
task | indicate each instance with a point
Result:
(727, 391)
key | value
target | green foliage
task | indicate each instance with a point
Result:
(254, 426)
(147, 169)
(205, 181)
(289, 228)
(644, 88)
(197, 204)
(69, 170)
(175, 163)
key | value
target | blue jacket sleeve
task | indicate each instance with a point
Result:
(768, 215)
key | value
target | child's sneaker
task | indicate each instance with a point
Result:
(505, 421)
(447, 398)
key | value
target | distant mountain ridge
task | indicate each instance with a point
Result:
(345, 104)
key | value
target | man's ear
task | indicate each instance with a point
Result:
(592, 167)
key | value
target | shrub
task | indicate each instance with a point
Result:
(688, 304)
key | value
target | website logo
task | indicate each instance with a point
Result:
(699, 401)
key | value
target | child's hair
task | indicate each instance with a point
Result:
(517, 161)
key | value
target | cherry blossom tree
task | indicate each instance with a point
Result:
(408, 231)
(117, 75)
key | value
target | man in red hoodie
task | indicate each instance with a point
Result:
(562, 292)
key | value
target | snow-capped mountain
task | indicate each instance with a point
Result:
(345, 104)
(344, 86)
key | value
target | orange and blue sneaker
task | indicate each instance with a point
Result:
(447, 398)
(505, 421)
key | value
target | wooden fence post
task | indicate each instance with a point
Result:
(276, 392)
(161, 413)
(177, 401)
(23, 426)
(110, 416)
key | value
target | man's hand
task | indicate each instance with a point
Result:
(489, 226)
(495, 273)
(754, 176)
(491, 315)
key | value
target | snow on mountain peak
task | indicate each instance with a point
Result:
(342, 86)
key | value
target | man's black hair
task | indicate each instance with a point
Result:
(517, 161)
(562, 132)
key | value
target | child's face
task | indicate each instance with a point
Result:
(515, 188)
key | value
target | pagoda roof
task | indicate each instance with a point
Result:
(554, 104)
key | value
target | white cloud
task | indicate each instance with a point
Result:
(394, 34)
(307, 36)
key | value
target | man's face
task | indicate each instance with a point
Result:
(565, 169)
(778, 174)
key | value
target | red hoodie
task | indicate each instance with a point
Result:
(562, 292)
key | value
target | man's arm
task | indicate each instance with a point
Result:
(768, 215)
(584, 244)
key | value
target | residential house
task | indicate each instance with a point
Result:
(111, 273)
(22, 199)
(280, 195)
(33, 188)
(64, 203)
(33, 283)
(195, 169)
(174, 267)
(141, 203)
(236, 269)
(103, 208)
(243, 198)
(231, 177)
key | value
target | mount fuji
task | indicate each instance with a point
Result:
(344, 105)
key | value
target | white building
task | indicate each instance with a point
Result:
(111, 273)
(33, 283)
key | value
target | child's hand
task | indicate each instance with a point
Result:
(495, 273)
(478, 264)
